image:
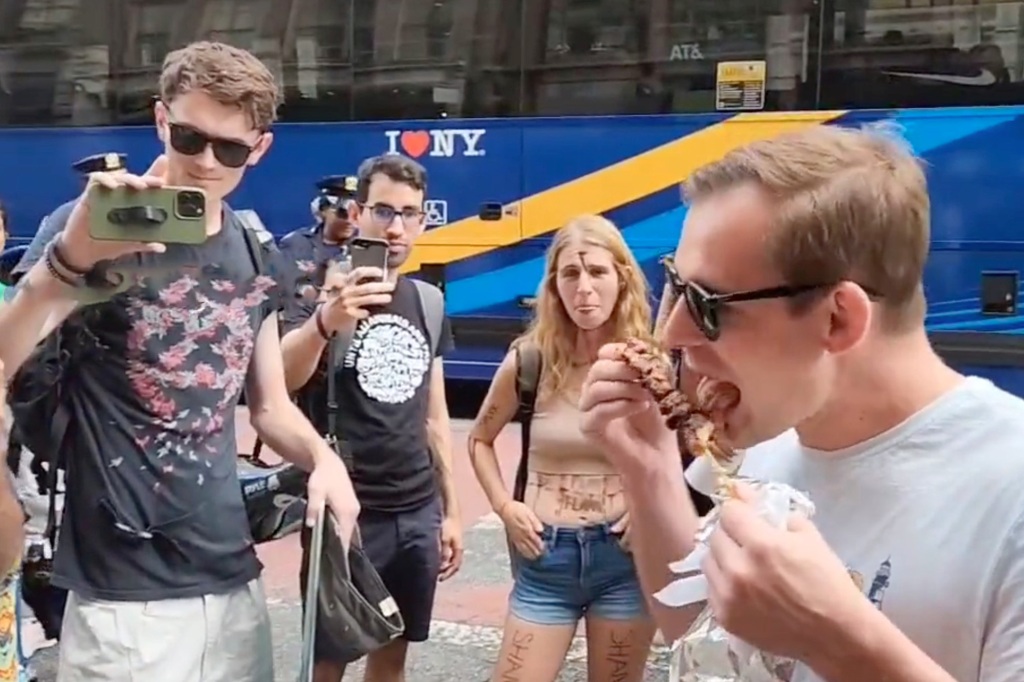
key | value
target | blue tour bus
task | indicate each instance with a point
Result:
(527, 112)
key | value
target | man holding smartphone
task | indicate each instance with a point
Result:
(155, 550)
(394, 415)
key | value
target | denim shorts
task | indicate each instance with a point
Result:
(582, 571)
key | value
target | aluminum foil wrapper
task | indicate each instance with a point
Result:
(707, 653)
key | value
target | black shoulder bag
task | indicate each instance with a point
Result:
(348, 611)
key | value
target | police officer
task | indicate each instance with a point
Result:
(310, 249)
(111, 162)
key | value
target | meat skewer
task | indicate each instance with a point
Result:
(700, 424)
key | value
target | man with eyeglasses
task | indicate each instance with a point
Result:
(154, 548)
(798, 279)
(393, 415)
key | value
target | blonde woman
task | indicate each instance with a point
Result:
(569, 535)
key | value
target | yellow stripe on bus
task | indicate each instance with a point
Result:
(608, 188)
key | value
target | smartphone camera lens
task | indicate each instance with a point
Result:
(191, 204)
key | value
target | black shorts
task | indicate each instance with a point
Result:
(405, 549)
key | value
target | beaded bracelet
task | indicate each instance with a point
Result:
(58, 255)
(51, 261)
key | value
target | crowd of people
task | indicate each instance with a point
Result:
(797, 279)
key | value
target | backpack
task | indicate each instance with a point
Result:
(528, 369)
(37, 390)
(432, 303)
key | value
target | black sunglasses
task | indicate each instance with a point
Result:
(189, 141)
(705, 306)
(384, 214)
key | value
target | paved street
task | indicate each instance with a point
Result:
(470, 607)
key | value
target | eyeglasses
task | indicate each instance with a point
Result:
(705, 306)
(384, 214)
(190, 142)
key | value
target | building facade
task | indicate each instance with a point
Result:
(78, 63)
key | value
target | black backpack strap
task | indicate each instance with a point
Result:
(528, 368)
(252, 245)
(58, 430)
(333, 431)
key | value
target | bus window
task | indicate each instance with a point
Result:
(316, 63)
(436, 59)
(886, 54)
(55, 63)
(625, 57)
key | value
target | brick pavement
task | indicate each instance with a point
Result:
(470, 611)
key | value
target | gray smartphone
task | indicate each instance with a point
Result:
(168, 215)
(367, 252)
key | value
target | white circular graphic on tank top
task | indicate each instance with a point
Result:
(391, 357)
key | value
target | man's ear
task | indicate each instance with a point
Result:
(261, 148)
(355, 211)
(160, 118)
(850, 316)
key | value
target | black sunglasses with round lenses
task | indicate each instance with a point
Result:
(705, 306)
(190, 142)
(384, 214)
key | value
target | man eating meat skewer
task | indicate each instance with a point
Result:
(798, 279)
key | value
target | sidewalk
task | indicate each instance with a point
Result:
(470, 608)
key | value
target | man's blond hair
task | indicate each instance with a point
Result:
(227, 74)
(850, 204)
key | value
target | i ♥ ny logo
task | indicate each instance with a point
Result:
(445, 143)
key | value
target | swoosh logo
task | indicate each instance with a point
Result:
(983, 78)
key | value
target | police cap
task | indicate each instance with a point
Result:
(338, 185)
(101, 163)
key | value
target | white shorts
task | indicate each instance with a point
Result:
(214, 638)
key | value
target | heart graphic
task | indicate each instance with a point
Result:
(415, 142)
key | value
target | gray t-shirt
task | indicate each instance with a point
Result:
(153, 508)
(929, 519)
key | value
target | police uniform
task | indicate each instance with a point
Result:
(307, 250)
(49, 226)
(308, 254)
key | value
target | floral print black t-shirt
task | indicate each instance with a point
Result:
(153, 508)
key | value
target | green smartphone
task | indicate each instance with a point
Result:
(167, 215)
